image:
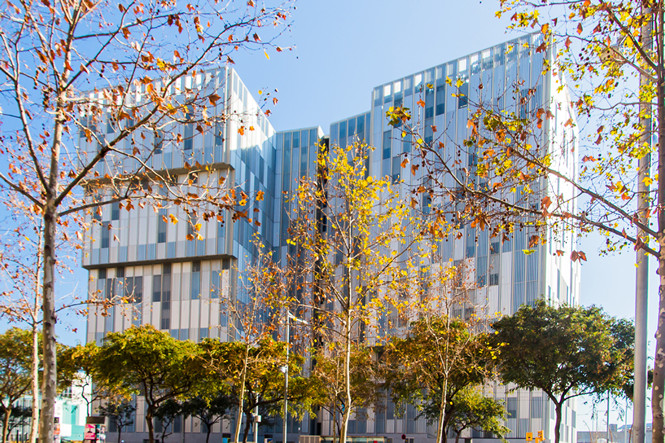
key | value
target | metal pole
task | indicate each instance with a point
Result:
(625, 424)
(642, 271)
(286, 378)
(256, 424)
(608, 416)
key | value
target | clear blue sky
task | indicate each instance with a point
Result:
(343, 48)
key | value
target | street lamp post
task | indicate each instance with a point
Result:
(285, 369)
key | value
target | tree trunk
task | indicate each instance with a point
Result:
(457, 436)
(248, 427)
(347, 367)
(46, 434)
(659, 359)
(119, 434)
(208, 433)
(150, 424)
(34, 423)
(557, 423)
(241, 400)
(5, 427)
(440, 434)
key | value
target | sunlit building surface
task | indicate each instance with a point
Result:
(178, 285)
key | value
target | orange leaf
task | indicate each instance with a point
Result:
(213, 99)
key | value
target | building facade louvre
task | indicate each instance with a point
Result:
(178, 285)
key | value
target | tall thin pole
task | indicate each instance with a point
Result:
(642, 271)
(625, 424)
(608, 417)
(256, 424)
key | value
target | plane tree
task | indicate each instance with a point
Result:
(15, 371)
(120, 412)
(564, 351)
(209, 409)
(345, 226)
(473, 410)
(439, 357)
(329, 383)
(89, 89)
(251, 375)
(518, 161)
(150, 363)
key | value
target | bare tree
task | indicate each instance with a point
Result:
(137, 68)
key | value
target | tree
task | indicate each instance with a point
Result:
(77, 365)
(121, 413)
(166, 415)
(611, 52)
(564, 351)
(20, 416)
(439, 357)
(329, 383)
(150, 363)
(474, 410)
(15, 371)
(58, 85)
(346, 224)
(251, 375)
(21, 301)
(209, 410)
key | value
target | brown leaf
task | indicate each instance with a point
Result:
(213, 99)
(533, 240)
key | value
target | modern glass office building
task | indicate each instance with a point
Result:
(178, 284)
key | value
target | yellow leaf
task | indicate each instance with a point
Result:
(266, 54)
(173, 218)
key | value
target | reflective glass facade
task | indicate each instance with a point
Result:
(178, 284)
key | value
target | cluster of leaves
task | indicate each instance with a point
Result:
(182, 378)
(434, 366)
(565, 352)
(345, 226)
(438, 366)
